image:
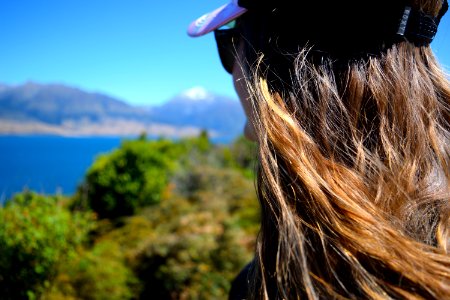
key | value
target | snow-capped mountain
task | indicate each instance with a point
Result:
(199, 108)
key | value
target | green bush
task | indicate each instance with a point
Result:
(132, 176)
(193, 254)
(223, 190)
(198, 243)
(96, 274)
(37, 235)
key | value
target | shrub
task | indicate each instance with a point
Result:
(198, 243)
(97, 274)
(37, 235)
(132, 176)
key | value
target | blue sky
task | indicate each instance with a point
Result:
(135, 50)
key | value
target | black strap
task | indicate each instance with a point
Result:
(418, 27)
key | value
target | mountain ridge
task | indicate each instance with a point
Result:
(59, 109)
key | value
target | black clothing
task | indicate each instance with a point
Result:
(239, 286)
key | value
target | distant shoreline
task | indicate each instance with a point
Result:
(111, 128)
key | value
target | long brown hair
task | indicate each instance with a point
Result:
(354, 172)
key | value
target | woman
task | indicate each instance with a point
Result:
(351, 114)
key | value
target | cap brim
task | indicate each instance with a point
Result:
(215, 19)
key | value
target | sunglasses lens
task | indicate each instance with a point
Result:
(226, 38)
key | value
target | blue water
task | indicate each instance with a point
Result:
(47, 164)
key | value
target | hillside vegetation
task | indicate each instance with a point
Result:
(154, 219)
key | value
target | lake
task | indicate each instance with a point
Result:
(48, 164)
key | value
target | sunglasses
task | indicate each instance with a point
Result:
(227, 38)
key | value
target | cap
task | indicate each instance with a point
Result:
(414, 25)
(215, 19)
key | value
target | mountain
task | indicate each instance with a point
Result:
(54, 104)
(199, 108)
(34, 108)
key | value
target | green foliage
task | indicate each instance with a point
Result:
(230, 189)
(37, 235)
(132, 176)
(178, 220)
(198, 244)
(192, 255)
(202, 142)
(100, 273)
(194, 242)
(244, 154)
